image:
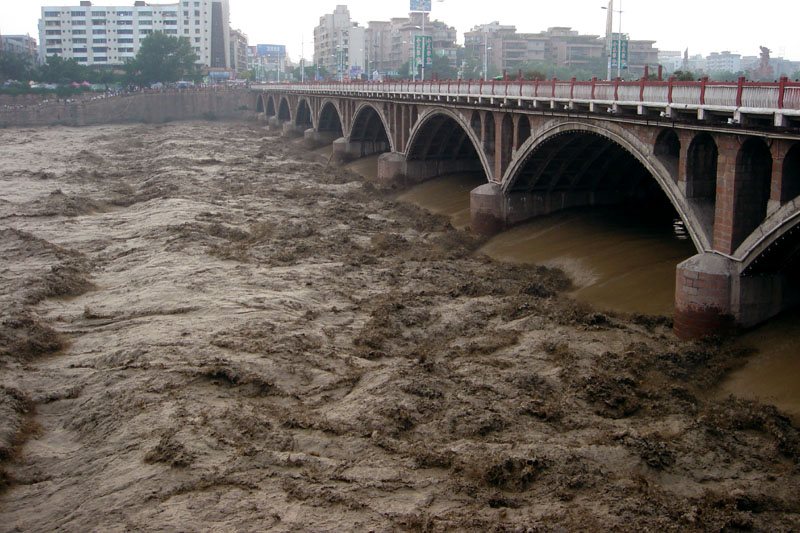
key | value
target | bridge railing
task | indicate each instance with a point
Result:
(782, 95)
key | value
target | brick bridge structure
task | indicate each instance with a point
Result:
(726, 156)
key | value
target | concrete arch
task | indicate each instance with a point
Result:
(261, 106)
(630, 143)
(303, 115)
(431, 113)
(358, 115)
(285, 110)
(269, 106)
(319, 116)
(668, 150)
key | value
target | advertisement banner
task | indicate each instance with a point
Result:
(421, 5)
(423, 49)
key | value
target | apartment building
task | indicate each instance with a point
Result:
(111, 35)
(239, 50)
(340, 44)
(22, 45)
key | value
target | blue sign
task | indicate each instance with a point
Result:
(271, 50)
(420, 5)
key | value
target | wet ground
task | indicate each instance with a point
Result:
(204, 328)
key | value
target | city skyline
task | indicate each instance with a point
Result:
(702, 28)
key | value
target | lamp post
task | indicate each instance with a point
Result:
(609, 36)
(485, 53)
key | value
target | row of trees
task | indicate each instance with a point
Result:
(161, 58)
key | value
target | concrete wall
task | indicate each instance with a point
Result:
(150, 107)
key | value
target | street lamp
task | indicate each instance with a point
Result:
(609, 35)
(486, 49)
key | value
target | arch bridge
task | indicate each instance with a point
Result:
(726, 156)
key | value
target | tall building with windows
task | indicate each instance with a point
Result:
(22, 45)
(111, 35)
(340, 44)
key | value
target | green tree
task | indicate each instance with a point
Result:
(796, 76)
(162, 58)
(680, 75)
(59, 70)
(13, 66)
(441, 68)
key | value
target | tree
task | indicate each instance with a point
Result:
(680, 75)
(12, 66)
(162, 58)
(796, 76)
(441, 68)
(59, 70)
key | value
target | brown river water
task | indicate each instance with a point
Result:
(619, 265)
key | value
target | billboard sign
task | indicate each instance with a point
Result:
(271, 50)
(423, 48)
(421, 5)
(619, 52)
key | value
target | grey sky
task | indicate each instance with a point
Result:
(703, 26)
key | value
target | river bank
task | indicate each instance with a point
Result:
(205, 328)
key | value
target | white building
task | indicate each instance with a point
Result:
(340, 44)
(723, 62)
(110, 35)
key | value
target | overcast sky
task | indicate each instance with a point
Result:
(703, 26)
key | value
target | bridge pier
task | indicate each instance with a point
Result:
(315, 139)
(344, 150)
(290, 129)
(492, 210)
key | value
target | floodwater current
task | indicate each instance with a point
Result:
(622, 262)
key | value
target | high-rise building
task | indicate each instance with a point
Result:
(339, 44)
(238, 51)
(111, 35)
(390, 44)
(22, 45)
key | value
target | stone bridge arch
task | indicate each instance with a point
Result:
(444, 141)
(303, 118)
(284, 110)
(368, 134)
(565, 162)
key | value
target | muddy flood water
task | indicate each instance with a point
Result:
(205, 328)
(620, 261)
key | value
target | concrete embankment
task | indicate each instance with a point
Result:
(143, 107)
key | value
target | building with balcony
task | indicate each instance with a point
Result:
(112, 35)
(340, 44)
(239, 47)
(22, 45)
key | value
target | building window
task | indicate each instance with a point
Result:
(170, 22)
(79, 41)
(98, 32)
(100, 59)
(52, 13)
(51, 42)
(77, 14)
(98, 13)
(52, 23)
(145, 13)
(79, 23)
(54, 50)
(99, 22)
(186, 32)
(125, 32)
(171, 32)
(52, 32)
(100, 41)
(197, 30)
(125, 13)
(145, 32)
(78, 32)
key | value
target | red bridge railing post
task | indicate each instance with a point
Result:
(782, 88)
(739, 91)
